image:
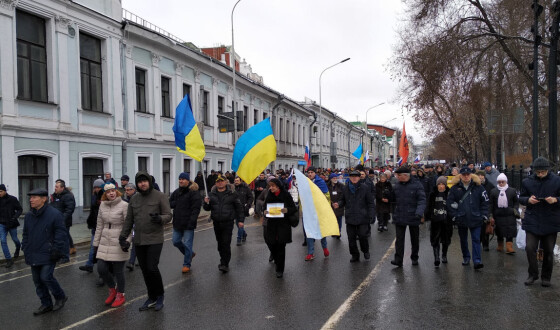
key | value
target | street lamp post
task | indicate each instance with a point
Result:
(232, 61)
(321, 111)
(375, 106)
(383, 125)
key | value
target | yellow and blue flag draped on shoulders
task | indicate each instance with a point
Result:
(359, 153)
(254, 150)
(318, 216)
(187, 136)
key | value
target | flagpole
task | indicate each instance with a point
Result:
(204, 178)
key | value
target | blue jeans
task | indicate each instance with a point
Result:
(89, 262)
(44, 282)
(240, 231)
(475, 238)
(183, 240)
(311, 244)
(4, 240)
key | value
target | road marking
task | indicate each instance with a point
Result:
(345, 307)
(128, 302)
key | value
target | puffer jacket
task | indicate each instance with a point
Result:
(359, 207)
(10, 210)
(224, 206)
(110, 221)
(245, 197)
(410, 202)
(140, 206)
(336, 192)
(65, 203)
(185, 203)
(541, 218)
(505, 217)
(473, 211)
(383, 190)
(44, 236)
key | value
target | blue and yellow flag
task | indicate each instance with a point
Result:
(359, 153)
(187, 136)
(318, 216)
(254, 150)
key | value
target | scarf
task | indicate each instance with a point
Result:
(502, 199)
(352, 188)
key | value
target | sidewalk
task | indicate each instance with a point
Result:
(79, 232)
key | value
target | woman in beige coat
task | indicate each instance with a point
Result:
(110, 255)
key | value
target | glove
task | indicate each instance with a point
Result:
(55, 255)
(125, 245)
(156, 218)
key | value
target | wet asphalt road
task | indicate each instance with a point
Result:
(311, 294)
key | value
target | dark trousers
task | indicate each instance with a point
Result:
(547, 244)
(44, 280)
(223, 232)
(440, 232)
(104, 267)
(148, 258)
(361, 233)
(414, 242)
(278, 251)
(383, 219)
(70, 240)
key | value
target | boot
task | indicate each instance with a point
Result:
(509, 248)
(500, 246)
(444, 253)
(112, 295)
(16, 254)
(436, 256)
(119, 300)
(72, 250)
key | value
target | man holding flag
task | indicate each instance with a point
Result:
(312, 175)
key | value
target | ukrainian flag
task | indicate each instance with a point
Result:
(254, 150)
(187, 136)
(359, 153)
(318, 216)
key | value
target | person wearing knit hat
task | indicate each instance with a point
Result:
(441, 227)
(504, 210)
(11, 210)
(540, 193)
(491, 173)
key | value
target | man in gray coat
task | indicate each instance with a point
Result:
(148, 211)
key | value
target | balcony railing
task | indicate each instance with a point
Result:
(128, 16)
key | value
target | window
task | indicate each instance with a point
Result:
(140, 90)
(165, 105)
(143, 164)
(32, 173)
(221, 104)
(90, 73)
(245, 112)
(31, 57)
(221, 167)
(187, 90)
(281, 129)
(187, 165)
(205, 115)
(92, 169)
(288, 131)
(166, 175)
(256, 116)
(265, 115)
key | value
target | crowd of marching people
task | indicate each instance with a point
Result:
(127, 221)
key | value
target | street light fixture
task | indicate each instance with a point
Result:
(321, 110)
(232, 60)
(375, 106)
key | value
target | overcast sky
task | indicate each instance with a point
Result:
(289, 43)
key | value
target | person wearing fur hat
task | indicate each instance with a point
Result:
(504, 210)
(467, 204)
(186, 202)
(441, 226)
(110, 256)
(540, 193)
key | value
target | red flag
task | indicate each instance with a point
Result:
(403, 146)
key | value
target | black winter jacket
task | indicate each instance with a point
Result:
(336, 192)
(65, 203)
(410, 202)
(10, 210)
(430, 208)
(473, 211)
(279, 230)
(45, 239)
(245, 197)
(224, 206)
(359, 208)
(185, 203)
(541, 218)
(383, 190)
(505, 218)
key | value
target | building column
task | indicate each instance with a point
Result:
(63, 75)
(8, 67)
(9, 163)
(156, 95)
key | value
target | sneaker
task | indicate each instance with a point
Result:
(16, 254)
(9, 263)
(380, 229)
(185, 269)
(59, 303)
(42, 310)
(395, 263)
(130, 267)
(239, 242)
(385, 228)
(119, 300)
(530, 280)
(279, 274)
(545, 283)
(223, 268)
(309, 257)
(326, 252)
(147, 305)
(478, 265)
(86, 268)
(159, 303)
(366, 255)
(466, 261)
(112, 296)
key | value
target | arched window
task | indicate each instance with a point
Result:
(33, 173)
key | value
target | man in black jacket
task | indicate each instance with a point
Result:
(186, 203)
(63, 200)
(10, 210)
(359, 208)
(225, 207)
(246, 198)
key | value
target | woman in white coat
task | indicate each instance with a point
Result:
(109, 254)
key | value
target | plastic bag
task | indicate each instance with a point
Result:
(520, 239)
